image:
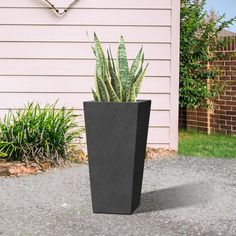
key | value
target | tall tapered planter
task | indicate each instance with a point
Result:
(116, 139)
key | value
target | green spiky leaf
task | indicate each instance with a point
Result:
(103, 92)
(134, 68)
(95, 96)
(115, 81)
(123, 66)
(132, 95)
(138, 82)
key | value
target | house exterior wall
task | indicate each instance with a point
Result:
(45, 57)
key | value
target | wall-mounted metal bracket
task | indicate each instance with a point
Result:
(60, 10)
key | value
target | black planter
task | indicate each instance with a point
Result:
(116, 140)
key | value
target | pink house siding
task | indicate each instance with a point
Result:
(45, 57)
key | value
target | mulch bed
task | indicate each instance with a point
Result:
(21, 169)
(160, 153)
(78, 156)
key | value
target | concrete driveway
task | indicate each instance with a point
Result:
(185, 196)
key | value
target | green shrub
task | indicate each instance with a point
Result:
(116, 82)
(38, 134)
(199, 43)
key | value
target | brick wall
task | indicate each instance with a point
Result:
(222, 118)
(182, 118)
(197, 119)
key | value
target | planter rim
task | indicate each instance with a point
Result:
(137, 102)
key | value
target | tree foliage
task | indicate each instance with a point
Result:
(199, 42)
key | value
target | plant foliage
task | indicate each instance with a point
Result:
(115, 81)
(38, 134)
(199, 43)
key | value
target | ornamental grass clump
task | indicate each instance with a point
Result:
(114, 80)
(38, 134)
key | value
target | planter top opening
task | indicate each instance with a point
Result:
(138, 101)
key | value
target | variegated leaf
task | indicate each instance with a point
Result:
(132, 94)
(123, 67)
(138, 82)
(115, 81)
(95, 96)
(134, 68)
(104, 95)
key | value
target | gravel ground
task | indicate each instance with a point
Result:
(180, 197)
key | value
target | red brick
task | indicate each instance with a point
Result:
(231, 93)
(219, 63)
(230, 63)
(233, 88)
(191, 127)
(201, 129)
(191, 113)
(231, 103)
(229, 122)
(219, 101)
(228, 54)
(215, 125)
(225, 127)
(225, 77)
(225, 117)
(191, 122)
(226, 107)
(219, 121)
(232, 72)
(214, 116)
(220, 112)
(231, 132)
(233, 81)
(224, 97)
(202, 113)
(225, 68)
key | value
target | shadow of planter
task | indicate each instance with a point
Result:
(175, 197)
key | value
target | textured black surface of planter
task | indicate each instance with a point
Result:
(116, 140)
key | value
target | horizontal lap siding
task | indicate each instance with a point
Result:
(45, 57)
(77, 50)
(80, 17)
(157, 117)
(62, 33)
(37, 84)
(68, 67)
(94, 4)
(15, 100)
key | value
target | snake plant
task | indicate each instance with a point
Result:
(114, 80)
